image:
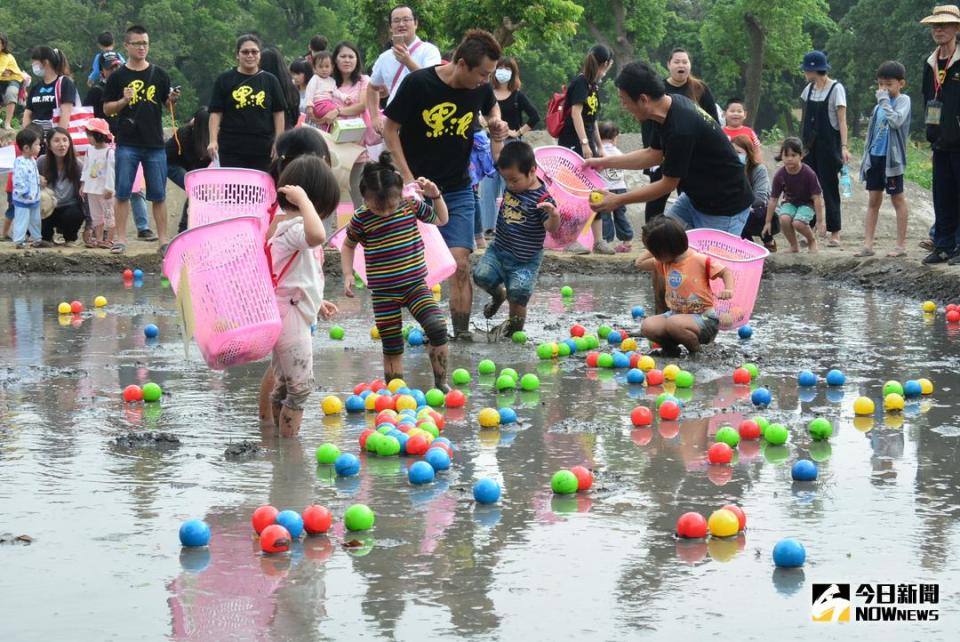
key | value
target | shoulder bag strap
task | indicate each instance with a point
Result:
(396, 77)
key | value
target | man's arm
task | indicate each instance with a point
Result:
(391, 137)
(640, 159)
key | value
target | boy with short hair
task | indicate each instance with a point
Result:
(734, 116)
(508, 270)
(26, 189)
(615, 223)
(105, 44)
(885, 155)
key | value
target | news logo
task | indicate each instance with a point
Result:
(830, 603)
(875, 602)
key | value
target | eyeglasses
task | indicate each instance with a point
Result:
(138, 44)
(250, 52)
(400, 21)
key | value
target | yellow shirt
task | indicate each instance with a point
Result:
(9, 69)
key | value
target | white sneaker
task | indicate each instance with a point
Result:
(576, 248)
(602, 247)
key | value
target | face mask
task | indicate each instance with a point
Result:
(743, 158)
(37, 69)
(503, 75)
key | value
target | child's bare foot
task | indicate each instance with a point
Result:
(814, 247)
(794, 249)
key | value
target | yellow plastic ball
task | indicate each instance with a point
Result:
(628, 344)
(929, 306)
(670, 372)
(596, 197)
(100, 302)
(489, 418)
(926, 386)
(64, 308)
(425, 414)
(893, 402)
(646, 363)
(331, 405)
(370, 403)
(555, 349)
(863, 406)
(723, 523)
(436, 289)
(406, 402)
(375, 333)
(396, 384)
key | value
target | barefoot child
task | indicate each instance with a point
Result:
(386, 227)
(690, 320)
(802, 197)
(97, 181)
(885, 156)
(508, 270)
(306, 192)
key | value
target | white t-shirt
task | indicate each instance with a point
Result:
(98, 173)
(385, 69)
(303, 280)
(613, 177)
(837, 99)
(318, 89)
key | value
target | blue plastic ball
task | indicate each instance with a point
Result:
(912, 388)
(354, 403)
(419, 397)
(347, 465)
(620, 360)
(441, 440)
(194, 532)
(635, 375)
(637, 312)
(761, 397)
(614, 338)
(403, 390)
(138, 274)
(402, 438)
(572, 344)
(365, 393)
(438, 458)
(151, 331)
(420, 473)
(789, 553)
(291, 520)
(486, 491)
(806, 378)
(415, 338)
(804, 470)
(745, 332)
(836, 378)
(508, 416)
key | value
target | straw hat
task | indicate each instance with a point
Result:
(943, 14)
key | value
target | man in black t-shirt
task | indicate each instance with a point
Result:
(137, 94)
(429, 130)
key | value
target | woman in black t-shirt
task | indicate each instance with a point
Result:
(246, 111)
(56, 89)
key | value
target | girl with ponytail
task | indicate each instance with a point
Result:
(55, 89)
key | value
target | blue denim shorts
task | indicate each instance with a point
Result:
(154, 163)
(691, 218)
(709, 324)
(497, 267)
(462, 206)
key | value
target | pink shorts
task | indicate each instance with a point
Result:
(101, 210)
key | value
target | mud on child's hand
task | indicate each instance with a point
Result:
(348, 287)
(725, 294)
(327, 310)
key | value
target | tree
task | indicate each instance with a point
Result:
(626, 25)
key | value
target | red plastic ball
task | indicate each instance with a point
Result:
(275, 539)
(654, 377)
(635, 360)
(386, 418)
(317, 519)
(641, 416)
(749, 429)
(741, 376)
(720, 453)
(741, 516)
(76, 307)
(377, 385)
(692, 526)
(438, 419)
(417, 445)
(577, 330)
(360, 387)
(385, 402)
(132, 393)
(404, 428)
(951, 307)
(454, 399)
(953, 316)
(263, 517)
(363, 437)
(584, 477)
(669, 410)
(592, 358)
(128, 274)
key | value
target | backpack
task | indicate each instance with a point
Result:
(557, 112)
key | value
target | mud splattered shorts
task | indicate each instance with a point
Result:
(292, 358)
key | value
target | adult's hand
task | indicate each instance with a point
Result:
(498, 129)
(213, 150)
(376, 121)
(603, 201)
(595, 163)
(586, 152)
(402, 54)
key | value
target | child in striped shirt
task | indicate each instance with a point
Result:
(386, 227)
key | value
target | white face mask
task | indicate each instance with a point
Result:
(503, 75)
(37, 69)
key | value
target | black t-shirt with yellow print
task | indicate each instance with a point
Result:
(141, 122)
(581, 92)
(247, 103)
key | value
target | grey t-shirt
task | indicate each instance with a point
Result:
(837, 99)
(64, 189)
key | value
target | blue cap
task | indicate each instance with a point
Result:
(815, 61)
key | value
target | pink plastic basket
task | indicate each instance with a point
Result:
(570, 185)
(221, 193)
(236, 319)
(744, 260)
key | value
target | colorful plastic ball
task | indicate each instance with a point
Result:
(507, 416)
(684, 379)
(670, 372)
(395, 384)
(741, 516)
(951, 306)
(407, 402)
(893, 402)
(635, 376)
(438, 458)
(720, 453)
(804, 470)
(331, 405)
(263, 517)
(63, 308)
(820, 429)
(728, 435)
(592, 342)
(691, 526)
(377, 385)
(789, 553)
(138, 273)
(577, 330)
(745, 332)
(420, 472)
(486, 367)
(953, 316)
(530, 382)
(132, 393)
(926, 386)
(912, 388)
(375, 333)
(388, 446)
(337, 333)
(614, 338)
(628, 344)
(327, 453)
(761, 397)
(443, 445)
(373, 440)
(486, 491)
(292, 521)
(545, 351)
(646, 363)
(194, 532)
(152, 392)
(654, 377)
(637, 312)
(275, 539)
(752, 368)
(669, 410)
(430, 428)
(776, 434)
(519, 337)
(621, 361)
(749, 430)
(763, 423)
(417, 444)
(416, 338)
(836, 378)
(604, 331)
(489, 418)
(384, 402)
(806, 378)
(506, 382)
(151, 331)
(584, 477)
(100, 302)
(128, 274)
(359, 517)
(455, 399)
(564, 349)
(460, 376)
(354, 403)
(723, 523)
(317, 519)
(347, 465)
(435, 397)
(641, 416)
(741, 376)
(76, 307)
(863, 406)
(605, 360)
(564, 482)
(593, 359)
(566, 291)
(929, 306)
(892, 387)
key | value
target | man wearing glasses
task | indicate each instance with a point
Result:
(408, 53)
(136, 95)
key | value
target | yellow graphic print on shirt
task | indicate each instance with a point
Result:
(440, 120)
(139, 94)
(512, 214)
(593, 103)
(244, 97)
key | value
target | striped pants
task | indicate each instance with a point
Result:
(418, 299)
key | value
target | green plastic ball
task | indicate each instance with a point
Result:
(729, 436)
(563, 350)
(337, 333)
(820, 429)
(684, 379)
(430, 427)
(582, 344)
(566, 291)
(435, 397)
(383, 430)
(530, 382)
(388, 446)
(564, 482)
(486, 367)
(460, 377)
(605, 360)
(776, 434)
(752, 369)
(506, 382)
(327, 453)
(372, 440)
(545, 351)
(663, 396)
(519, 337)
(359, 517)
(603, 331)
(151, 392)
(406, 331)
(510, 371)
(763, 423)
(892, 387)
(592, 342)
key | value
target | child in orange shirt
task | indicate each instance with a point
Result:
(685, 275)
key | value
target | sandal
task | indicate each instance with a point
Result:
(833, 243)
(865, 252)
(118, 248)
(897, 252)
(91, 245)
